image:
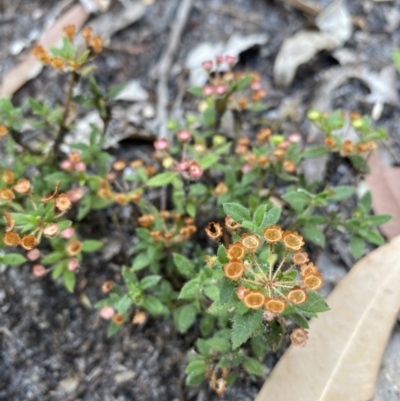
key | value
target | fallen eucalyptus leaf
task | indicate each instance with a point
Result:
(342, 357)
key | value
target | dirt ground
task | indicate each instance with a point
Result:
(53, 345)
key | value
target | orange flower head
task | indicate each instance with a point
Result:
(214, 230)
(250, 241)
(70, 31)
(254, 299)
(307, 269)
(118, 319)
(136, 164)
(330, 142)
(11, 238)
(241, 292)
(156, 235)
(262, 161)
(279, 153)
(169, 237)
(244, 141)
(104, 192)
(231, 224)
(292, 240)
(188, 221)
(313, 281)
(273, 234)
(8, 177)
(289, 166)
(297, 295)
(51, 230)
(139, 318)
(23, 186)
(299, 337)
(107, 286)
(96, 43)
(119, 165)
(74, 156)
(275, 305)
(347, 148)
(220, 189)
(299, 258)
(87, 34)
(3, 130)
(234, 270)
(28, 242)
(6, 194)
(62, 202)
(150, 170)
(242, 102)
(135, 197)
(188, 231)
(264, 135)
(146, 220)
(74, 247)
(10, 222)
(235, 251)
(41, 54)
(121, 199)
(56, 62)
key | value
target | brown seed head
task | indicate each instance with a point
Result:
(214, 230)
(250, 241)
(70, 31)
(10, 222)
(242, 102)
(118, 319)
(262, 160)
(146, 220)
(62, 202)
(107, 286)
(292, 240)
(347, 148)
(279, 153)
(74, 156)
(254, 300)
(308, 268)
(139, 318)
(220, 189)
(264, 135)
(74, 247)
(297, 295)
(104, 192)
(273, 234)
(6, 194)
(8, 177)
(51, 230)
(11, 238)
(28, 242)
(234, 270)
(313, 281)
(56, 62)
(121, 199)
(299, 258)
(235, 251)
(135, 197)
(231, 224)
(241, 292)
(156, 235)
(3, 130)
(136, 164)
(275, 305)
(41, 54)
(299, 337)
(330, 142)
(23, 186)
(53, 195)
(87, 33)
(150, 170)
(96, 43)
(289, 166)
(119, 165)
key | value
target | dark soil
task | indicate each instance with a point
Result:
(53, 345)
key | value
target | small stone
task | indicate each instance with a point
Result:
(125, 376)
(70, 384)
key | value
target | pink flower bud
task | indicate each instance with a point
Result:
(284, 144)
(207, 65)
(221, 89)
(107, 312)
(51, 230)
(208, 90)
(184, 135)
(73, 264)
(66, 165)
(295, 137)
(33, 254)
(161, 144)
(230, 59)
(38, 270)
(68, 233)
(183, 165)
(80, 166)
(246, 168)
(268, 316)
(74, 195)
(256, 86)
(195, 170)
(219, 59)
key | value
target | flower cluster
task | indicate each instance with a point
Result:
(266, 283)
(68, 58)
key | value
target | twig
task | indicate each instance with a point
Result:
(63, 129)
(162, 74)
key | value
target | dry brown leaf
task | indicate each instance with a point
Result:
(305, 6)
(31, 67)
(383, 182)
(342, 357)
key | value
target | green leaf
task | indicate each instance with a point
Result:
(207, 324)
(212, 292)
(14, 259)
(184, 265)
(342, 192)
(59, 268)
(259, 215)
(300, 320)
(379, 219)
(315, 152)
(226, 290)
(221, 253)
(62, 225)
(373, 237)
(275, 335)
(208, 161)
(191, 209)
(272, 216)
(194, 380)
(396, 59)
(253, 367)
(123, 305)
(196, 368)
(357, 246)
(140, 262)
(184, 317)
(314, 304)
(190, 289)
(113, 329)
(68, 278)
(220, 344)
(115, 91)
(162, 179)
(91, 245)
(52, 257)
(297, 200)
(314, 234)
(202, 347)
(196, 91)
(149, 281)
(236, 211)
(244, 326)
(153, 305)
